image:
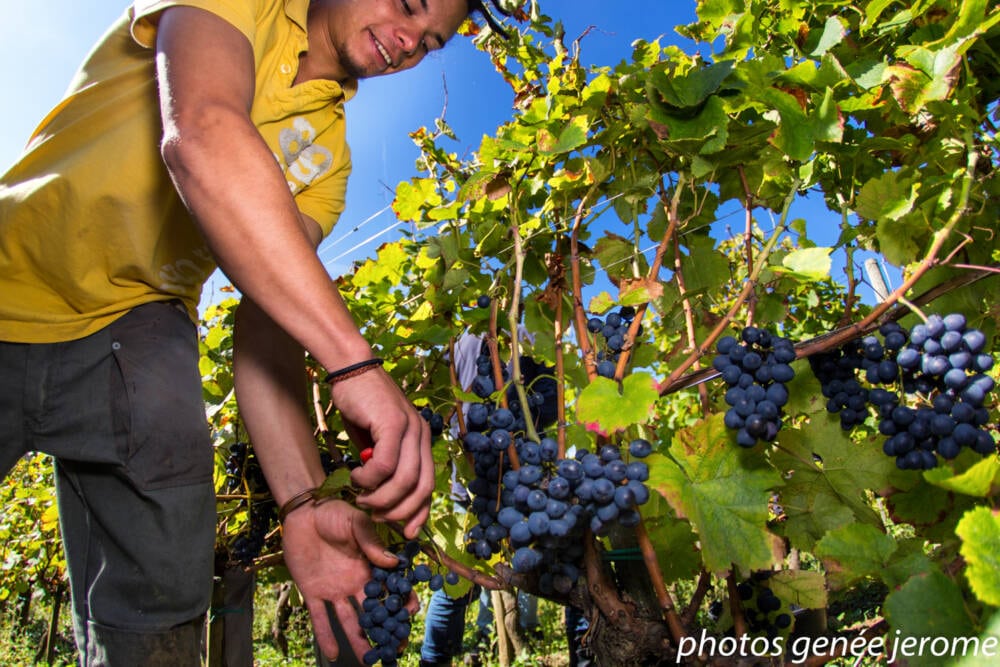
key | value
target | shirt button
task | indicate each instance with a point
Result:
(286, 68)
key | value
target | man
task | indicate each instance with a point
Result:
(200, 133)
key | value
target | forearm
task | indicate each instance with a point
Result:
(270, 381)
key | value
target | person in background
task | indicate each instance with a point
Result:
(201, 134)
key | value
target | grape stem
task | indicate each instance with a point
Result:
(439, 556)
(579, 315)
(748, 238)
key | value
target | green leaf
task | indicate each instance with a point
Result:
(703, 266)
(810, 263)
(979, 530)
(723, 490)
(853, 552)
(335, 483)
(833, 34)
(602, 303)
(705, 133)
(573, 135)
(605, 409)
(794, 136)
(980, 480)
(413, 196)
(692, 88)
(804, 588)
(676, 544)
(928, 605)
(388, 266)
(616, 255)
(820, 496)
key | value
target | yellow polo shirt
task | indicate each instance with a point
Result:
(90, 223)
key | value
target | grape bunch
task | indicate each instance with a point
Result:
(234, 465)
(544, 507)
(384, 617)
(434, 420)
(244, 475)
(928, 387)
(755, 370)
(764, 611)
(248, 545)
(944, 366)
(838, 373)
(613, 329)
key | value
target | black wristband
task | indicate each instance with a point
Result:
(353, 370)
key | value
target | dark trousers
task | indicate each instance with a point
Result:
(121, 413)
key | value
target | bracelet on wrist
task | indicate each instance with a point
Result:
(353, 370)
(298, 500)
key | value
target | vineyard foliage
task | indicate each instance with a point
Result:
(739, 182)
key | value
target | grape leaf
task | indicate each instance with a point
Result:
(819, 496)
(413, 196)
(980, 533)
(853, 552)
(979, 480)
(676, 544)
(810, 263)
(693, 87)
(804, 588)
(704, 267)
(388, 266)
(723, 491)
(605, 409)
(571, 137)
(928, 605)
(705, 133)
(983, 654)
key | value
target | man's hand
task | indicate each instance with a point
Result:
(399, 478)
(329, 550)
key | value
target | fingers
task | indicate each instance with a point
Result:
(363, 531)
(399, 477)
(321, 629)
(335, 625)
(406, 494)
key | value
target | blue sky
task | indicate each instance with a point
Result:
(41, 45)
(58, 34)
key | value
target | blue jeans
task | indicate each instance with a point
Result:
(444, 624)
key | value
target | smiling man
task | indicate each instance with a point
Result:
(201, 133)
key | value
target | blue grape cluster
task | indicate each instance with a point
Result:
(384, 617)
(755, 369)
(939, 367)
(838, 373)
(612, 329)
(764, 611)
(248, 545)
(543, 508)
(944, 365)
(434, 420)
(244, 474)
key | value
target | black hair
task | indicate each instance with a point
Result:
(480, 7)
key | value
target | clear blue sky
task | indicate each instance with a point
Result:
(41, 45)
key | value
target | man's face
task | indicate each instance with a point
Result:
(376, 37)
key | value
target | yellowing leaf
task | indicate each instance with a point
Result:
(980, 533)
(605, 409)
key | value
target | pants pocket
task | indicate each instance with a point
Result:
(158, 398)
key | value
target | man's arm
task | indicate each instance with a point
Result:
(229, 179)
